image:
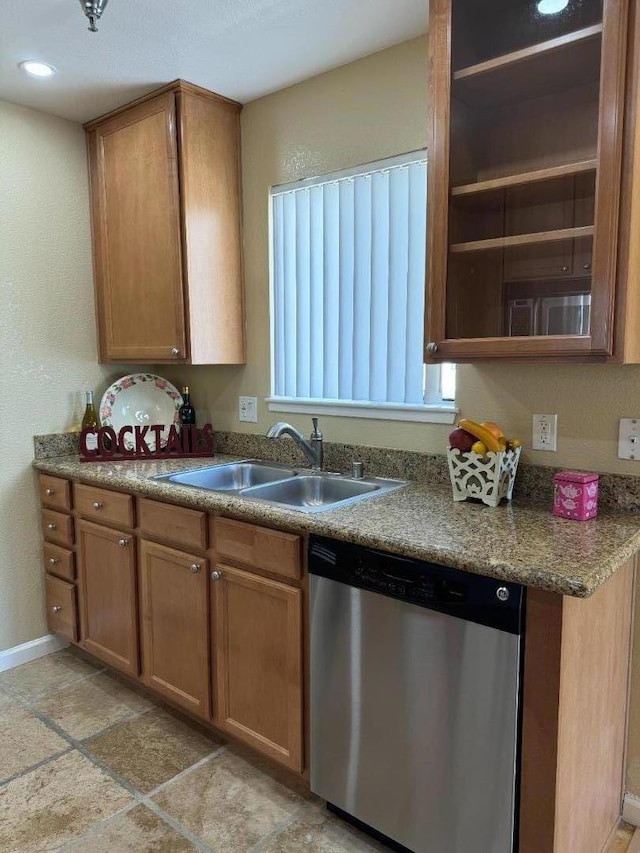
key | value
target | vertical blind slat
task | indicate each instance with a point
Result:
(414, 377)
(398, 274)
(331, 289)
(348, 287)
(303, 292)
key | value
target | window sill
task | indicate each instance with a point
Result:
(434, 414)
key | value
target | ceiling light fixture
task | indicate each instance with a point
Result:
(36, 69)
(552, 7)
(93, 9)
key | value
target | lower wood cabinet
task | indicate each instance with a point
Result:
(61, 607)
(175, 625)
(108, 595)
(257, 645)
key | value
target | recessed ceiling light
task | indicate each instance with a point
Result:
(552, 7)
(36, 69)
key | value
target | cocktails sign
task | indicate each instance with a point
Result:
(146, 442)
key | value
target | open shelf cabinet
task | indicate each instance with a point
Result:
(525, 156)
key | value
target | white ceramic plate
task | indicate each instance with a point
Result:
(141, 399)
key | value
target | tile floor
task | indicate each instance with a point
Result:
(88, 765)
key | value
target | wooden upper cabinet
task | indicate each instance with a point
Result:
(525, 161)
(167, 243)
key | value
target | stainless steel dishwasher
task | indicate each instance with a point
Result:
(415, 698)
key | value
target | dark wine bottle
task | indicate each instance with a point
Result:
(187, 417)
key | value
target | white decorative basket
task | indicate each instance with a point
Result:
(487, 478)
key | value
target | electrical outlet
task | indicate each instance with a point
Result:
(248, 409)
(545, 429)
(629, 438)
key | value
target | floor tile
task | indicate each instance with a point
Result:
(86, 708)
(152, 748)
(41, 676)
(228, 803)
(317, 831)
(620, 842)
(24, 740)
(55, 803)
(135, 831)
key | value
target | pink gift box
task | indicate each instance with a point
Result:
(575, 495)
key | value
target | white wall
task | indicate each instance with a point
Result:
(47, 334)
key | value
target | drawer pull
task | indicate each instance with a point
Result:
(56, 608)
(122, 543)
(194, 568)
(52, 526)
(53, 561)
(215, 576)
(49, 492)
(97, 504)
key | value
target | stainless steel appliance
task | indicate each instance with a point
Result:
(550, 315)
(415, 682)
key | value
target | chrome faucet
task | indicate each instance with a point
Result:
(312, 449)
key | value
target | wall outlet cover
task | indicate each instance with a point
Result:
(248, 409)
(545, 430)
(629, 438)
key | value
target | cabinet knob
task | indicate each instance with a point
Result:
(97, 504)
(432, 348)
(215, 576)
(53, 561)
(49, 492)
(123, 543)
(56, 608)
(565, 269)
(175, 352)
(52, 526)
(194, 568)
(586, 267)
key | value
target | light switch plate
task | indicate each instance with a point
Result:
(545, 430)
(629, 438)
(248, 409)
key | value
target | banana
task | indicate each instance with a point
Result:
(493, 445)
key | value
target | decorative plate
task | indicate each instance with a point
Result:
(141, 399)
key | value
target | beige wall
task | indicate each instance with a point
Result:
(47, 337)
(373, 108)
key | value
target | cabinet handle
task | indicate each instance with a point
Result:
(53, 561)
(194, 568)
(432, 348)
(565, 269)
(175, 352)
(215, 576)
(586, 267)
(123, 543)
(97, 504)
(56, 608)
(52, 526)
(49, 492)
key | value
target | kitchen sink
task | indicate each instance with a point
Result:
(313, 492)
(232, 477)
(290, 488)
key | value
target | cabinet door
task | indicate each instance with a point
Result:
(108, 606)
(175, 625)
(136, 233)
(257, 630)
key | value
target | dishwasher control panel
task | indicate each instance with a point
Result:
(476, 598)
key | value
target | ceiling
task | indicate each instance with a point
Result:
(240, 48)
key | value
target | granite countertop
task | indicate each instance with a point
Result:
(518, 542)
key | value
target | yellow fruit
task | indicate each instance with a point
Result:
(514, 442)
(493, 428)
(480, 448)
(481, 433)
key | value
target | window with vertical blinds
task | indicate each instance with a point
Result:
(348, 287)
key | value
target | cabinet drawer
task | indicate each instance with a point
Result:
(258, 547)
(104, 506)
(58, 561)
(62, 614)
(55, 492)
(185, 527)
(57, 527)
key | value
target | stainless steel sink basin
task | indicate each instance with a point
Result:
(313, 492)
(283, 486)
(232, 477)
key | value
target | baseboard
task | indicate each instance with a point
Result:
(32, 650)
